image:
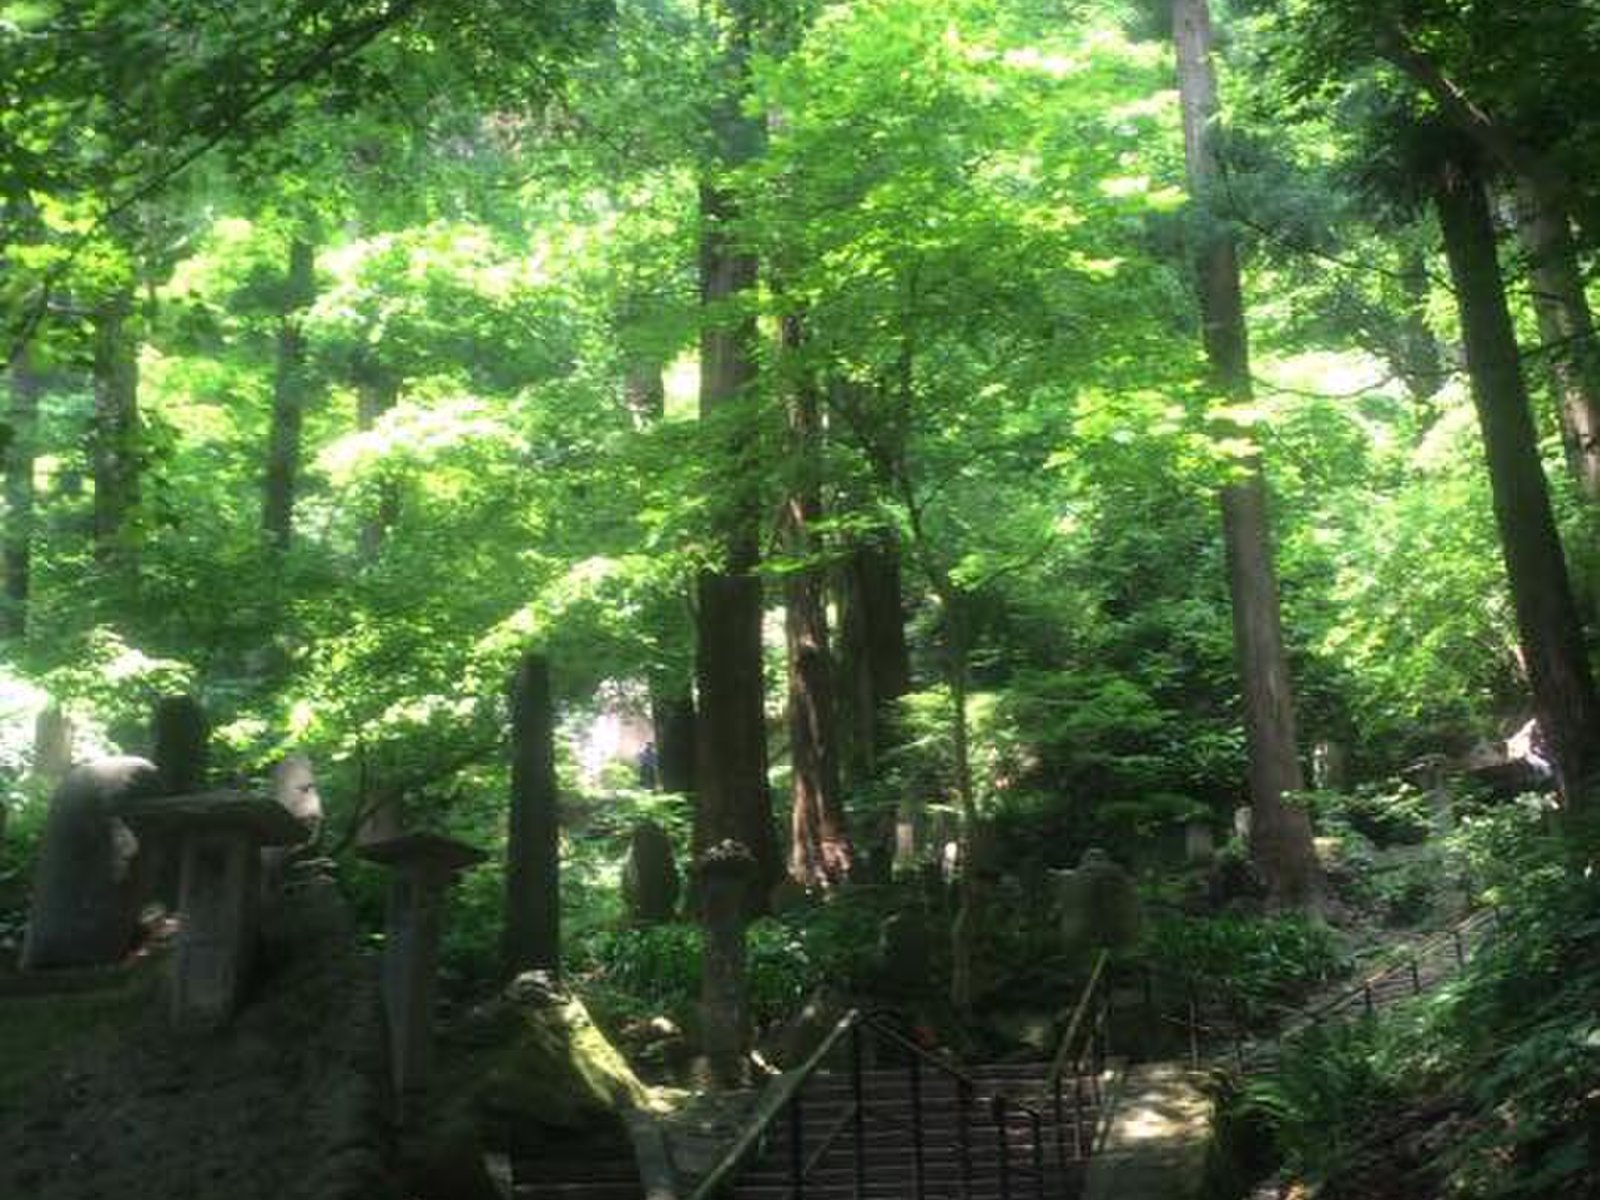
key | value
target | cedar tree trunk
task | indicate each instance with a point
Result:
(1547, 618)
(115, 450)
(732, 801)
(1566, 327)
(819, 851)
(1280, 831)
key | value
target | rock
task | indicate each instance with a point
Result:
(550, 1065)
(86, 893)
(650, 879)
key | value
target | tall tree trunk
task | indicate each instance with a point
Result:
(533, 861)
(1540, 174)
(376, 394)
(819, 850)
(873, 642)
(1566, 327)
(288, 397)
(732, 800)
(21, 449)
(1280, 831)
(115, 450)
(1547, 618)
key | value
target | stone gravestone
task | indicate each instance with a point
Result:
(904, 955)
(52, 746)
(1099, 904)
(85, 906)
(650, 880)
(1199, 842)
(294, 785)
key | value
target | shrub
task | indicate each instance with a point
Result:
(1260, 961)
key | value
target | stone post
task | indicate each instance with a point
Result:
(1199, 842)
(726, 873)
(533, 881)
(178, 734)
(52, 746)
(220, 836)
(423, 865)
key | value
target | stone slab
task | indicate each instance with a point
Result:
(1155, 1145)
(423, 849)
(264, 820)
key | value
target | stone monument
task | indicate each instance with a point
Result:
(1099, 904)
(650, 882)
(219, 836)
(85, 904)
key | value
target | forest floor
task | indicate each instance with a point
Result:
(101, 1100)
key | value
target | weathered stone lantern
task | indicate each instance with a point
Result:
(423, 866)
(220, 836)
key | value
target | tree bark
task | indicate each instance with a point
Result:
(1547, 617)
(732, 800)
(115, 449)
(1280, 831)
(533, 866)
(1566, 328)
(965, 928)
(288, 397)
(820, 853)
(21, 450)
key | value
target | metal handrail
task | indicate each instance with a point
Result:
(773, 1103)
(1362, 992)
(876, 1022)
(784, 1097)
(1079, 1015)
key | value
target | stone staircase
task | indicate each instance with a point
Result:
(579, 1169)
(987, 1135)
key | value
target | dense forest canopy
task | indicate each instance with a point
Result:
(355, 349)
(961, 435)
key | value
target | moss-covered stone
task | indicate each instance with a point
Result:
(553, 1066)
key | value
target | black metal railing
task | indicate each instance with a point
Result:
(891, 1085)
(1218, 1027)
(1076, 1075)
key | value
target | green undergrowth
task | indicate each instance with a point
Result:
(1486, 1089)
(1253, 965)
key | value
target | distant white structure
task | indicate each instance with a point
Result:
(617, 732)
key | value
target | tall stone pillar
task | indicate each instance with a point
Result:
(422, 866)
